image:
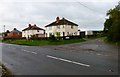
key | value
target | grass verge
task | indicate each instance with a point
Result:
(111, 42)
(0, 40)
(43, 42)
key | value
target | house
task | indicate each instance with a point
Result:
(89, 33)
(63, 27)
(1, 37)
(5, 34)
(14, 33)
(94, 33)
(33, 30)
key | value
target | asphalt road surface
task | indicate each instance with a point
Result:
(87, 58)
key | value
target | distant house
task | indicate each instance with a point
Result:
(33, 30)
(5, 34)
(1, 37)
(89, 33)
(63, 27)
(14, 33)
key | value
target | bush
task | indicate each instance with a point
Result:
(52, 38)
(6, 72)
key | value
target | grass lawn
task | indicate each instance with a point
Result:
(0, 40)
(43, 42)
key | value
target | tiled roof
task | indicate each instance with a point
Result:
(34, 27)
(15, 31)
(63, 21)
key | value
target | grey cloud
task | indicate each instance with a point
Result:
(19, 14)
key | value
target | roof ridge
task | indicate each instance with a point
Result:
(32, 27)
(62, 21)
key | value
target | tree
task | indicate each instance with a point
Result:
(112, 24)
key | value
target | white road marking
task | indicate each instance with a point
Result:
(25, 50)
(29, 51)
(65, 60)
(74, 62)
(34, 52)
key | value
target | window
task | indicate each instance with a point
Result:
(63, 33)
(75, 33)
(67, 33)
(63, 26)
(50, 34)
(71, 33)
(50, 28)
(71, 26)
(37, 30)
(58, 27)
(57, 34)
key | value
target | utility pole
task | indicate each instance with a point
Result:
(4, 28)
(3, 34)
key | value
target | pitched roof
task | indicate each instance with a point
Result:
(63, 21)
(34, 27)
(15, 31)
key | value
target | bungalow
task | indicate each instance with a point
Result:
(63, 27)
(14, 33)
(5, 34)
(33, 30)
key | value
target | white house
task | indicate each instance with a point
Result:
(33, 30)
(88, 32)
(62, 26)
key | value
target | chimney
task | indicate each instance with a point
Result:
(15, 29)
(29, 25)
(57, 19)
(8, 31)
(34, 24)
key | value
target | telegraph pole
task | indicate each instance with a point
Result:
(4, 28)
(3, 34)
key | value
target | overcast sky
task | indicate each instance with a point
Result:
(88, 14)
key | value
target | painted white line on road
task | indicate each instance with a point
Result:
(25, 50)
(51, 57)
(34, 52)
(29, 51)
(65, 60)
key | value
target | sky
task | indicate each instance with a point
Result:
(88, 14)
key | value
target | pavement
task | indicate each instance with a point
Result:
(92, 57)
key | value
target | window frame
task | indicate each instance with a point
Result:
(58, 26)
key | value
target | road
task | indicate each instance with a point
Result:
(87, 58)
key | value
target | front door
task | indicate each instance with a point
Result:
(63, 33)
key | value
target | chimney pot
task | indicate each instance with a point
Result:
(57, 19)
(34, 24)
(29, 25)
(15, 29)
